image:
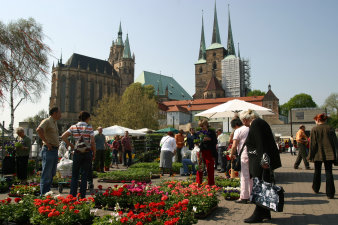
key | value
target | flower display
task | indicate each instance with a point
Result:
(20, 190)
(231, 193)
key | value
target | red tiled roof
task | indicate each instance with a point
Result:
(204, 104)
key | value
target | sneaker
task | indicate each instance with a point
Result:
(296, 167)
(242, 201)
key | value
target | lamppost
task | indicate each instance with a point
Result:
(173, 121)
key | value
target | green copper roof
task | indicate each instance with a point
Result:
(202, 44)
(201, 61)
(215, 31)
(230, 44)
(161, 83)
(214, 46)
(126, 50)
(119, 40)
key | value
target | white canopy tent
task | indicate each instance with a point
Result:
(119, 130)
(230, 108)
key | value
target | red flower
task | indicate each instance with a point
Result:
(124, 220)
(17, 200)
(76, 211)
(99, 187)
(50, 214)
(185, 201)
(64, 207)
(139, 223)
(164, 198)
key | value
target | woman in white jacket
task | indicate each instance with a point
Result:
(168, 150)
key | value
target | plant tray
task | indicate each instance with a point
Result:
(117, 181)
(205, 215)
(231, 198)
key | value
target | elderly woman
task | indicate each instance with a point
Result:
(168, 150)
(260, 140)
(208, 150)
(323, 144)
(240, 135)
(22, 154)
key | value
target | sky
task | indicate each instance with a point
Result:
(290, 44)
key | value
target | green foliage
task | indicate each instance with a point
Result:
(256, 93)
(331, 104)
(136, 109)
(298, 101)
(333, 121)
(34, 121)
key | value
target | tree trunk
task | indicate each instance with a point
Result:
(11, 90)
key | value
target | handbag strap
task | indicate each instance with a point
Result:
(241, 150)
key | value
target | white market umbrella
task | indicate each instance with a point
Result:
(119, 130)
(230, 108)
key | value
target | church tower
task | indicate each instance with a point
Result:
(210, 60)
(122, 61)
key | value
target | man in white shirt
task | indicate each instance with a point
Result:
(221, 147)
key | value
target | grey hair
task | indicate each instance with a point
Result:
(248, 115)
(20, 129)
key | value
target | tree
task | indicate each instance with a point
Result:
(136, 109)
(24, 62)
(298, 101)
(34, 121)
(107, 112)
(331, 104)
(256, 93)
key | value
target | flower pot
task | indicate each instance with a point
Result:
(106, 168)
(205, 215)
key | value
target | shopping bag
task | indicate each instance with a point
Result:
(267, 195)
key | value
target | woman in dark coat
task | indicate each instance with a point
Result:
(323, 144)
(260, 140)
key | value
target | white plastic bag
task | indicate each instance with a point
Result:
(184, 152)
(65, 167)
(62, 149)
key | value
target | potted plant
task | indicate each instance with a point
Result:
(107, 159)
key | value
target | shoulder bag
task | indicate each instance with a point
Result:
(81, 144)
(237, 163)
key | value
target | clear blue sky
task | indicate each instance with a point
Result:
(291, 44)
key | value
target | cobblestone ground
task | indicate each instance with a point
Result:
(302, 206)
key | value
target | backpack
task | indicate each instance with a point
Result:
(81, 145)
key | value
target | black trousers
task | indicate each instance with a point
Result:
(301, 155)
(330, 189)
(178, 155)
(21, 167)
(221, 158)
(125, 158)
(99, 160)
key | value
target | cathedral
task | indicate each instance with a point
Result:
(219, 72)
(82, 81)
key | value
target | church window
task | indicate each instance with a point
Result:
(83, 85)
(214, 54)
(72, 94)
(100, 90)
(214, 65)
(200, 70)
(63, 94)
(92, 94)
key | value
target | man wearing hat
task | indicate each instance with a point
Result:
(302, 140)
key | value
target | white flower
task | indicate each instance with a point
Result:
(194, 208)
(18, 192)
(49, 193)
(117, 207)
(34, 189)
(21, 202)
(93, 211)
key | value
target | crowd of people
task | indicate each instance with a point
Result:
(204, 150)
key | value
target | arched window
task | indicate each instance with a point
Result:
(63, 94)
(200, 69)
(92, 94)
(214, 65)
(72, 94)
(100, 90)
(83, 93)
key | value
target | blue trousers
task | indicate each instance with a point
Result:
(81, 162)
(187, 162)
(49, 163)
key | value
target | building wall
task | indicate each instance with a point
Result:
(304, 115)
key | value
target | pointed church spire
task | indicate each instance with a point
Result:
(126, 51)
(239, 54)
(119, 40)
(215, 32)
(202, 44)
(230, 45)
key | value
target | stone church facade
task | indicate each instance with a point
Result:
(82, 81)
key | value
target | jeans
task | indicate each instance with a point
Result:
(330, 189)
(99, 160)
(115, 159)
(125, 158)
(221, 158)
(21, 167)
(301, 155)
(90, 173)
(187, 162)
(49, 163)
(81, 161)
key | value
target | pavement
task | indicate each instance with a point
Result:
(302, 205)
